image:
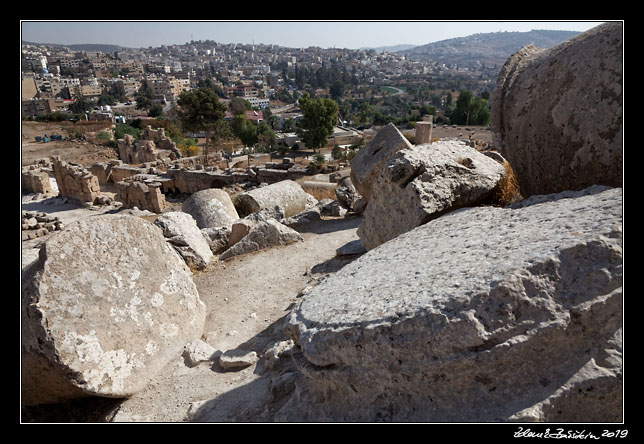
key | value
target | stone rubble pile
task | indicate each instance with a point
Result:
(453, 308)
(37, 223)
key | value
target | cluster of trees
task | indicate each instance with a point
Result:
(201, 110)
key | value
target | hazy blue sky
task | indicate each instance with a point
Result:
(294, 34)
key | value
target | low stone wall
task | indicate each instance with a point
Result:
(36, 181)
(141, 192)
(190, 181)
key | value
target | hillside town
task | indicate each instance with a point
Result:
(265, 75)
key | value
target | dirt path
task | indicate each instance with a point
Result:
(247, 298)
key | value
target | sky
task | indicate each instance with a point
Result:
(292, 34)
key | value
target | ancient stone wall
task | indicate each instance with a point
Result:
(75, 181)
(153, 145)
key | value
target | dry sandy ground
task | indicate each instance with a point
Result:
(247, 298)
(82, 152)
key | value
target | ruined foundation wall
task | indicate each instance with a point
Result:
(36, 181)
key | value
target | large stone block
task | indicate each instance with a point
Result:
(264, 234)
(484, 314)
(557, 113)
(286, 194)
(105, 307)
(181, 231)
(211, 208)
(366, 164)
(419, 184)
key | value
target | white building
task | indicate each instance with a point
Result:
(258, 102)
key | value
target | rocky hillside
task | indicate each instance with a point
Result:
(486, 48)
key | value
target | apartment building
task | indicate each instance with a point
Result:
(258, 102)
(34, 63)
(38, 107)
(70, 63)
(92, 90)
(131, 86)
(169, 87)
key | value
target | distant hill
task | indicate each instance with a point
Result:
(489, 49)
(83, 46)
(394, 48)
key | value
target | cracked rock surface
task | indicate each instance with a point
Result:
(484, 314)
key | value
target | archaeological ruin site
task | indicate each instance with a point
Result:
(429, 279)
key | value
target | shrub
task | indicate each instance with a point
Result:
(188, 150)
(319, 159)
(122, 129)
(507, 191)
(104, 136)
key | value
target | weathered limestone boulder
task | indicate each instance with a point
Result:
(181, 231)
(303, 218)
(211, 208)
(105, 307)
(332, 208)
(557, 113)
(286, 194)
(198, 352)
(237, 359)
(265, 234)
(366, 164)
(319, 190)
(239, 230)
(217, 238)
(242, 227)
(421, 183)
(484, 314)
(346, 193)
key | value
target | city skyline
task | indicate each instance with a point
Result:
(292, 34)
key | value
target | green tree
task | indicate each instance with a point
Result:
(238, 105)
(319, 117)
(337, 90)
(155, 110)
(364, 114)
(143, 102)
(200, 110)
(122, 129)
(470, 110)
(244, 130)
(288, 125)
(106, 99)
(80, 105)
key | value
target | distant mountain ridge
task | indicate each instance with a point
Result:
(82, 46)
(486, 48)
